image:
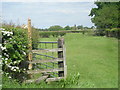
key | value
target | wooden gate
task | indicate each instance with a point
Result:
(47, 62)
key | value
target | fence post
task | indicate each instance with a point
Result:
(30, 43)
(61, 54)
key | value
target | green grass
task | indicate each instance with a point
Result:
(94, 58)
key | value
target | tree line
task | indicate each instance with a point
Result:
(59, 28)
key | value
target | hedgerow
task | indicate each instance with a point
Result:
(54, 34)
(14, 50)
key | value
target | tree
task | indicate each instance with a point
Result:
(55, 28)
(67, 28)
(80, 26)
(105, 15)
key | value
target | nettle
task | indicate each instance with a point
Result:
(14, 49)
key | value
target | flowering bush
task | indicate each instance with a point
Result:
(14, 49)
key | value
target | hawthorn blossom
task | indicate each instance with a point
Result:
(24, 53)
(3, 48)
(7, 32)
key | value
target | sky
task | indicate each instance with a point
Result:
(46, 14)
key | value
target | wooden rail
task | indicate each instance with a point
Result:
(37, 80)
(54, 79)
(47, 50)
(45, 70)
(47, 42)
(45, 61)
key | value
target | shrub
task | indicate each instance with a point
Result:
(51, 33)
(35, 38)
(14, 50)
(114, 32)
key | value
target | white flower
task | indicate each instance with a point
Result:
(15, 62)
(17, 67)
(7, 73)
(24, 46)
(6, 58)
(7, 32)
(9, 77)
(19, 61)
(4, 53)
(24, 53)
(5, 62)
(0, 56)
(7, 55)
(0, 45)
(3, 48)
(14, 69)
(9, 66)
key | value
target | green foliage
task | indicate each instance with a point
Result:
(48, 34)
(68, 82)
(35, 38)
(80, 27)
(14, 49)
(67, 28)
(106, 15)
(55, 28)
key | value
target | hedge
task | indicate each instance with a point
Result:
(48, 34)
(14, 51)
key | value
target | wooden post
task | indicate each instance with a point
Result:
(61, 54)
(30, 43)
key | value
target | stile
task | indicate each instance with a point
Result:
(60, 60)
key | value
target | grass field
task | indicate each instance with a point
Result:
(92, 63)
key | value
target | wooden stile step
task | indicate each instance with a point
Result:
(54, 79)
(45, 61)
(44, 71)
(47, 50)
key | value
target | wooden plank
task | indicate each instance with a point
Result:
(42, 78)
(54, 79)
(60, 55)
(45, 55)
(45, 61)
(45, 70)
(29, 81)
(30, 43)
(48, 42)
(47, 50)
(64, 57)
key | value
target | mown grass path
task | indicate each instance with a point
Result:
(95, 58)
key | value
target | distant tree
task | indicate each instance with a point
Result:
(86, 27)
(92, 27)
(55, 28)
(75, 27)
(80, 26)
(67, 28)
